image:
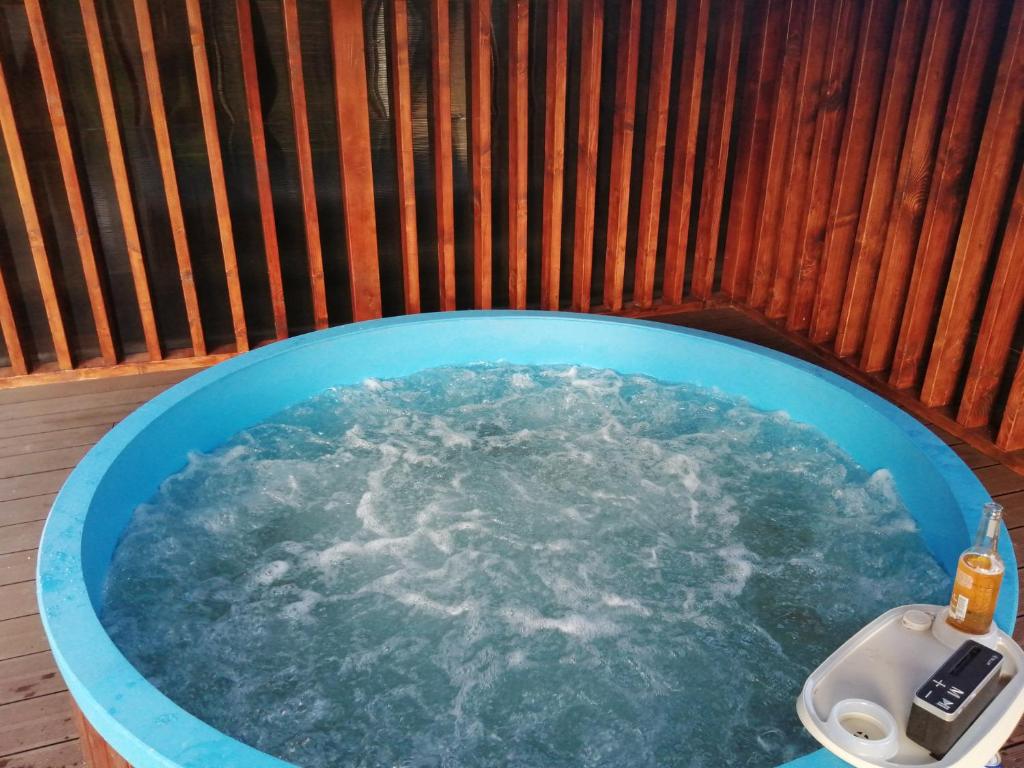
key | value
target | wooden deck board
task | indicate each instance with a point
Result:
(44, 431)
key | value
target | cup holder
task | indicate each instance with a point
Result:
(864, 728)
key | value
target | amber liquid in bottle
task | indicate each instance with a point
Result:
(979, 575)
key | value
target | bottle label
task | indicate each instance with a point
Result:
(958, 608)
(964, 579)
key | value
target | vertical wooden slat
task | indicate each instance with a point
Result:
(881, 178)
(773, 194)
(916, 164)
(119, 173)
(76, 204)
(1002, 314)
(822, 174)
(154, 93)
(304, 160)
(251, 83)
(749, 172)
(442, 133)
(852, 167)
(622, 152)
(797, 166)
(944, 210)
(1011, 430)
(480, 100)
(353, 116)
(40, 258)
(208, 112)
(989, 186)
(554, 153)
(586, 153)
(518, 135)
(654, 153)
(723, 91)
(9, 329)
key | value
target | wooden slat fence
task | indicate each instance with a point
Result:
(181, 182)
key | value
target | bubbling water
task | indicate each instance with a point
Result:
(506, 565)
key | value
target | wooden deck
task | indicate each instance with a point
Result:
(45, 430)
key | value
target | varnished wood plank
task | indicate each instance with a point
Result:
(354, 150)
(19, 637)
(554, 153)
(586, 153)
(441, 129)
(946, 198)
(659, 88)
(304, 161)
(723, 91)
(1011, 429)
(16, 566)
(39, 484)
(480, 100)
(999, 322)
(1000, 479)
(20, 536)
(825, 150)
(253, 106)
(913, 181)
(773, 195)
(754, 126)
(989, 186)
(64, 438)
(119, 174)
(36, 722)
(852, 167)
(71, 404)
(18, 600)
(9, 329)
(799, 155)
(98, 753)
(25, 510)
(972, 457)
(95, 287)
(208, 113)
(27, 677)
(169, 177)
(37, 246)
(66, 754)
(51, 391)
(621, 152)
(518, 138)
(879, 187)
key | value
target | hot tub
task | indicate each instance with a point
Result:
(127, 466)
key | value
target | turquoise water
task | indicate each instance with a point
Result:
(511, 566)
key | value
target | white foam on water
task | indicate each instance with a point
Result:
(511, 566)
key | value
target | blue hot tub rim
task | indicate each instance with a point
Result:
(148, 729)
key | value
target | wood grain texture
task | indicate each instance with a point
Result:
(833, 98)
(554, 153)
(773, 193)
(304, 160)
(480, 139)
(518, 140)
(913, 182)
(755, 109)
(989, 187)
(851, 167)
(264, 194)
(799, 154)
(441, 131)
(716, 154)
(40, 258)
(883, 168)
(947, 196)
(586, 154)
(119, 174)
(9, 329)
(168, 175)
(658, 93)
(354, 155)
(621, 152)
(998, 324)
(208, 112)
(91, 269)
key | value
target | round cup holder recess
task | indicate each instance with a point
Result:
(863, 728)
